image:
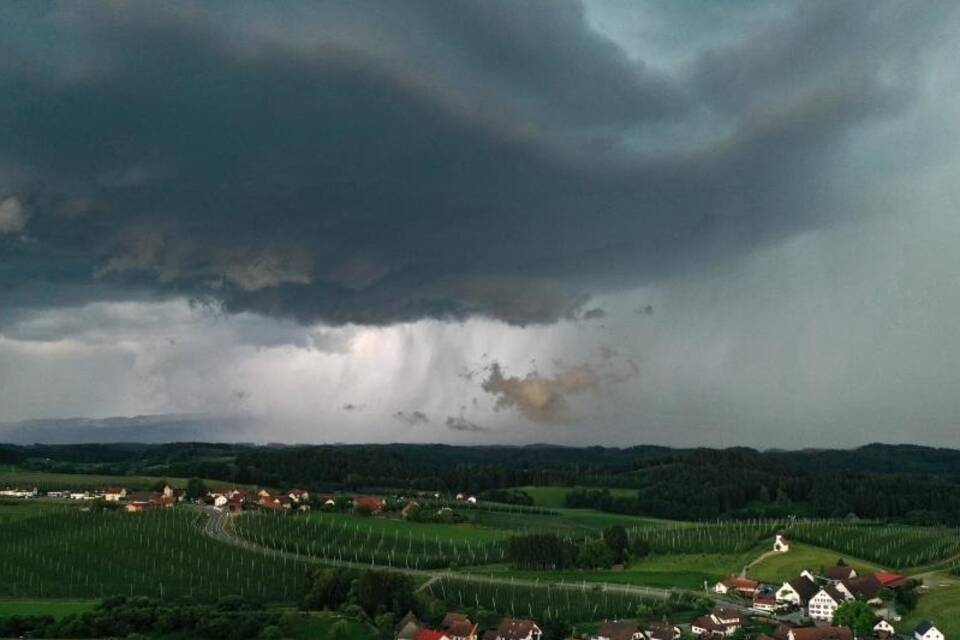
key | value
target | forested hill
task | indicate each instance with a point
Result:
(903, 482)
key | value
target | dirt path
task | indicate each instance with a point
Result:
(758, 560)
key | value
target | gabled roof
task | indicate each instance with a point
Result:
(619, 630)
(839, 572)
(804, 586)
(865, 587)
(660, 630)
(923, 627)
(741, 583)
(890, 580)
(823, 633)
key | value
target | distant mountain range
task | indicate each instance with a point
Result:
(150, 429)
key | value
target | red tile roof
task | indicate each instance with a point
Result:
(428, 634)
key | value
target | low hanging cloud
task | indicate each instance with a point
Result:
(412, 418)
(544, 399)
(459, 423)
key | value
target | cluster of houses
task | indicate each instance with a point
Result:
(129, 500)
(819, 596)
(457, 626)
(237, 500)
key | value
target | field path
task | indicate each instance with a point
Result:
(218, 526)
(763, 556)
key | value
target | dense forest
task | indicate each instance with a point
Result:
(897, 482)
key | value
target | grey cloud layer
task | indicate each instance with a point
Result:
(381, 162)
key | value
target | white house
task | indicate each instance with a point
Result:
(824, 604)
(220, 500)
(719, 623)
(81, 495)
(883, 629)
(114, 494)
(806, 573)
(472, 500)
(797, 591)
(926, 631)
(781, 544)
(19, 492)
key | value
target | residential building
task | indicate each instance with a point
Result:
(518, 629)
(926, 631)
(824, 604)
(719, 623)
(619, 630)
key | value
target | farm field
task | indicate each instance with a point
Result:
(555, 497)
(720, 538)
(786, 566)
(48, 607)
(896, 546)
(387, 542)
(74, 554)
(687, 571)
(572, 522)
(549, 600)
(83, 481)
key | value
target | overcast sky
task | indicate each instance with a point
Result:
(615, 222)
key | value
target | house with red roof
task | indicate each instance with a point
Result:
(741, 586)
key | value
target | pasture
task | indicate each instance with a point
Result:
(786, 566)
(75, 554)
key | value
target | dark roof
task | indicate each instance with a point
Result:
(619, 630)
(864, 587)
(823, 633)
(660, 630)
(923, 627)
(839, 572)
(835, 593)
(805, 587)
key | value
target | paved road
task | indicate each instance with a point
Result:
(219, 523)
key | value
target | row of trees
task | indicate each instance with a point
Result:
(547, 551)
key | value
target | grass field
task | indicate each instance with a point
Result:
(940, 606)
(327, 625)
(786, 566)
(50, 607)
(83, 481)
(555, 497)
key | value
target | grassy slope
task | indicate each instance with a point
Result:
(53, 607)
(572, 522)
(785, 566)
(52, 481)
(941, 606)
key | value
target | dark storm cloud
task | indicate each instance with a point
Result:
(380, 162)
(411, 418)
(459, 423)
